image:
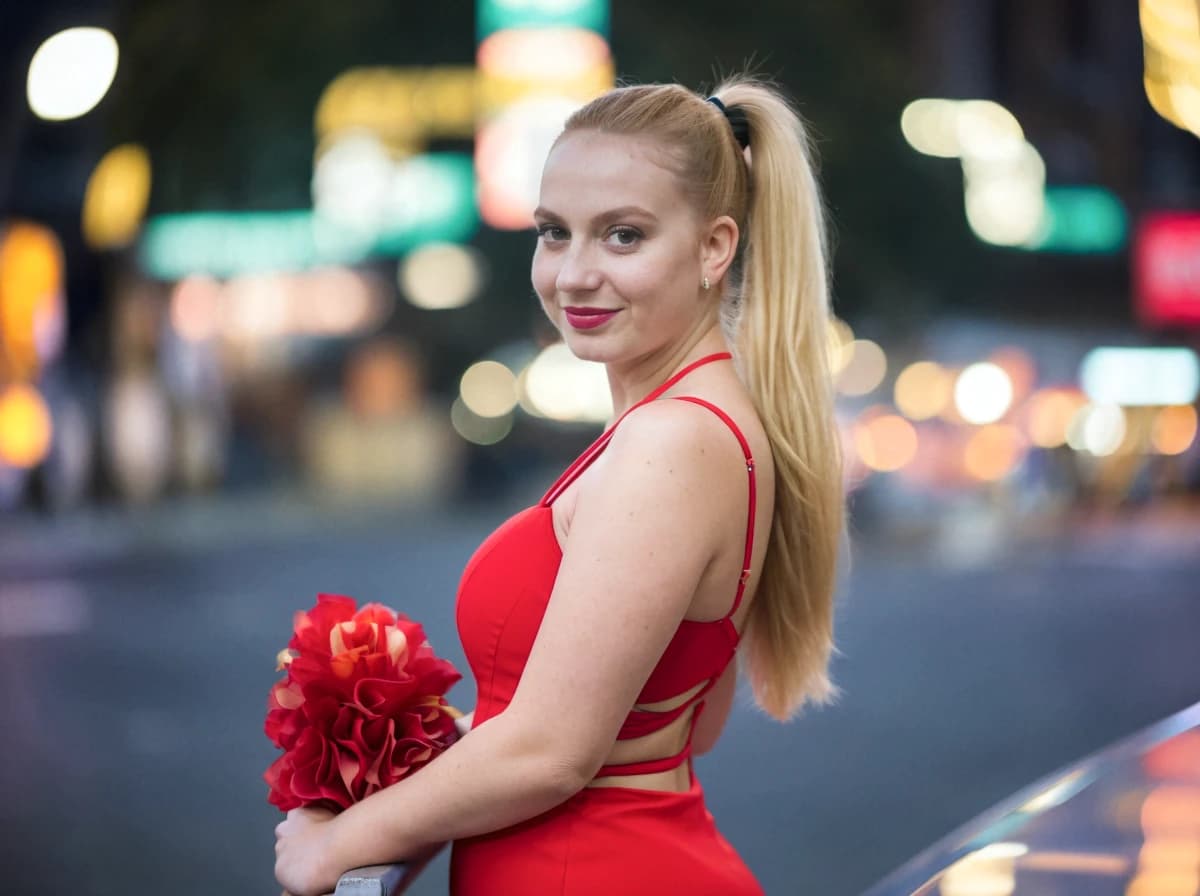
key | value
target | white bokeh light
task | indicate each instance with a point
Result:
(983, 393)
(71, 72)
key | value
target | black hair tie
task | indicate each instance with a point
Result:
(736, 117)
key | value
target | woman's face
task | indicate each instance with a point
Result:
(618, 260)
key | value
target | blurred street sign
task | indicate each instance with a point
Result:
(1166, 269)
(431, 199)
(403, 106)
(498, 15)
(1081, 219)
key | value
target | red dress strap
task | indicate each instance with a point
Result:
(748, 554)
(585, 460)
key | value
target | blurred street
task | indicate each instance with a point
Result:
(137, 649)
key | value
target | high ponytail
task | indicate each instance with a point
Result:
(777, 313)
(780, 326)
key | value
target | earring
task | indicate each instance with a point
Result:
(704, 283)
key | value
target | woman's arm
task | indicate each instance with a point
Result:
(716, 710)
(643, 531)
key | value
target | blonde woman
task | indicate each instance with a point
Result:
(681, 244)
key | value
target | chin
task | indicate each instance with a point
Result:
(594, 348)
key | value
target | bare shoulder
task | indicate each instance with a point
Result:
(688, 439)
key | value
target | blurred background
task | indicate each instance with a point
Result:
(266, 330)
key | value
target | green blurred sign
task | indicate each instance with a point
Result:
(435, 203)
(1083, 219)
(496, 15)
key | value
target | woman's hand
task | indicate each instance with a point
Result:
(302, 853)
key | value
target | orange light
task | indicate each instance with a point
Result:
(993, 452)
(1172, 810)
(1174, 429)
(25, 426)
(31, 269)
(886, 443)
(1049, 416)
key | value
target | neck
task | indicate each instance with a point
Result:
(633, 381)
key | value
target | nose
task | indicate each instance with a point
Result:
(577, 271)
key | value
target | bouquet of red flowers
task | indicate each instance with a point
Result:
(361, 707)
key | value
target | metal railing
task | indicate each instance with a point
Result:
(383, 880)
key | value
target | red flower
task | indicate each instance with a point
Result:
(361, 707)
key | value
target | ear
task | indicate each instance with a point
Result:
(718, 246)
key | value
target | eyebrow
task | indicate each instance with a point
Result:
(625, 211)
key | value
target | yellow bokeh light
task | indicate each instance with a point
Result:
(114, 203)
(489, 389)
(1174, 429)
(993, 452)
(865, 369)
(25, 426)
(885, 443)
(923, 390)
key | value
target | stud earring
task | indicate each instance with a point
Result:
(704, 283)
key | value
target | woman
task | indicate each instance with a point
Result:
(600, 622)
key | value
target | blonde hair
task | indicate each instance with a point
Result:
(777, 313)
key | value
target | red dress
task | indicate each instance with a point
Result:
(603, 840)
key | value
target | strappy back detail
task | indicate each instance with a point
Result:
(519, 562)
(698, 646)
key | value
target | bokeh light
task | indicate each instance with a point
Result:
(440, 276)
(923, 390)
(476, 429)
(840, 338)
(987, 131)
(885, 443)
(560, 386)
(1098, 429)
(993, 452)
(117, 194)
(1049, 414)
(137, 424)
(32, 310)
(489, 389)
(931, 127)
(983, 393)
(196, 308)
(1174, 429)
(864, 370)
(25, 426)
(71, 72)
(352, 180)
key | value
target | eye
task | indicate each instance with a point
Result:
(551, 233)
(624, 236)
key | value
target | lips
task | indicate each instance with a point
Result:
(589, 318)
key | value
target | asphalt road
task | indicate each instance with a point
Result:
(136, 654)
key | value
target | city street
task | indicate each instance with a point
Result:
(136, 653)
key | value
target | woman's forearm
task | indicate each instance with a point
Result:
(490, 780)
